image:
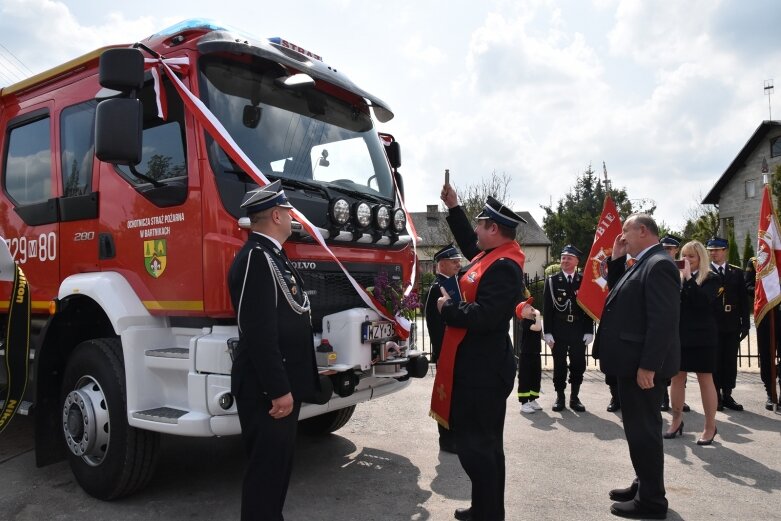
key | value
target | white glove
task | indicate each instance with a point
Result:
(548, 339)
(588, 338)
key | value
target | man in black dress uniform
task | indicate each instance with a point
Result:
(732, 316)
(638, 343)
(567, 328)
(447, 261)
(274, 369)
(484, 370)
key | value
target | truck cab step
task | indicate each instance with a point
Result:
(160, 414)
(169, 352)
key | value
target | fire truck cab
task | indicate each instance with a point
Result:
(127, 256)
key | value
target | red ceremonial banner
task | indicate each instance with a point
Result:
(593, 289)
(767, 292)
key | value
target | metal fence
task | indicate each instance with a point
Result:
(748, 357)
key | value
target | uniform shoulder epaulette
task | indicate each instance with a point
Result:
(736, 267)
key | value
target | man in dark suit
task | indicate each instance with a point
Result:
(447, 261)
(477, 351)
(274, 369)
(732, 316)
(638, 343)
(567, 328)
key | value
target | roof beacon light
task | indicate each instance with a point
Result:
(293, 47)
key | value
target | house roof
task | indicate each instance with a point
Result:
(715, 193)
(431, 228)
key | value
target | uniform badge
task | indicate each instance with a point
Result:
(472, 276)
(155, 257)
(294, 289)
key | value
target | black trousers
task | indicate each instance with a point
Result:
(478, 425)
(727, 362)
(643, 428)
(529, 376)
(269, 444)
(568, 344)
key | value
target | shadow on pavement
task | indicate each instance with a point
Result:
(450, 479)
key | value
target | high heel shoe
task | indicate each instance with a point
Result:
(708, 442)
(677, 432)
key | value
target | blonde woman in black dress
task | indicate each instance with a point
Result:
(699, 340)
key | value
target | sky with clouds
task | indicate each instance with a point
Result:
(665, 92)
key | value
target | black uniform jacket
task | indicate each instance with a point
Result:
(558, 293)
(732, 297)
(698, 325)
(276, 347)
(639, 326)
(434, 323)
(485, 358)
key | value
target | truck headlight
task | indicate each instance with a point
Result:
(399, 220)
(340, 211)
(363, 215)
(382, 217)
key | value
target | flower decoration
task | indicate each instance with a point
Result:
(390, 294)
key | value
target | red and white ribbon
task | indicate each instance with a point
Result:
(218, 132)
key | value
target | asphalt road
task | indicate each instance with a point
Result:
(385, 465)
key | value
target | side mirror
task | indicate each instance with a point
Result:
(122, 69)
(118, 130)
(394, 154)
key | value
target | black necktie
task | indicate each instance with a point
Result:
(721, 270)
(569, 279)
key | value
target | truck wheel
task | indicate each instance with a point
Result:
(326, 423)
(109, 458)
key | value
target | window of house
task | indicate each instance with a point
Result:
(28, 162)
(77, 141)
(751, 188)
(775, 147)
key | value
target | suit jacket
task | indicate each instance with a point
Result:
(698, 326)
(559, 294)
(485, 357)
(276, 346)
(733, 296)
(639, 326)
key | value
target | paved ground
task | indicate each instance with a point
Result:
(384, 465)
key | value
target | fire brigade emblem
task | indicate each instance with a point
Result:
(155, 257)
(599, 267)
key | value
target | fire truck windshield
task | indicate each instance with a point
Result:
(303, 135)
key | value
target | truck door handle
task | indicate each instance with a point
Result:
(107, 250)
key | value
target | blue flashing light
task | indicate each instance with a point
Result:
(188, 25)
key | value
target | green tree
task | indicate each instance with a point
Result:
(775, 185)
(734, 256)
(702, 223)
(573, 219)
(748, 251)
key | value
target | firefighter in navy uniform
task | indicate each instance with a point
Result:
(732, 316)
(448, 262)
(274, 368)
(567, 328)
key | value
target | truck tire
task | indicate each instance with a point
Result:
(326, 423)
(109, 458)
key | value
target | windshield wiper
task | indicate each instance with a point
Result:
(139, 175)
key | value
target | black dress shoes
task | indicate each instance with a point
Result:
(558, 405)
(576, 405)
(463, 514)
(632, 510)
(730, 403)
(614, 405)
(624, 494)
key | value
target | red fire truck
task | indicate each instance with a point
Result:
(127, 256)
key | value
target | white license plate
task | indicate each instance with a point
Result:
(376, 331)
